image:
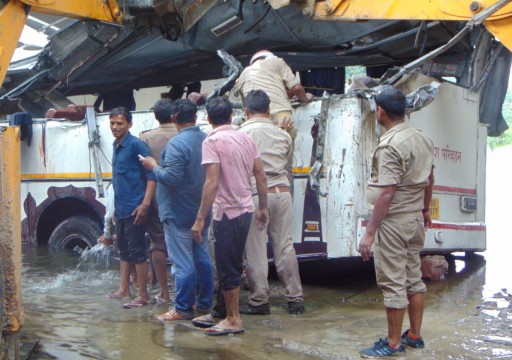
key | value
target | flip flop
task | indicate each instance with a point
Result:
(115, 296)
(135, 304)
(157, 300)
(172, 315)
(205, 321)
(220, 331)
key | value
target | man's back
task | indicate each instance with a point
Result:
(275, 147)
(235, 152)
(273, 76)
(182, 185)
(156, 139)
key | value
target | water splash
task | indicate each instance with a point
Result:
(97, 258)
(93, 269)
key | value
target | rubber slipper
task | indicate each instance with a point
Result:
(220, 331)
(157, 300)
(135, 304)
(171, 315)
(205, 321)
(115, 296)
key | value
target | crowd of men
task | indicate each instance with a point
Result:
(179, 184)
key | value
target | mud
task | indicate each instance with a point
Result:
(468, 314)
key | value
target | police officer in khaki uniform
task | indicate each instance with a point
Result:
(275, 147)
(272, 74)
(156, 139)
(399, 192)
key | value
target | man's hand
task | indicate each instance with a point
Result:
(140, 213)
(105, 241)
(261, 217)
(310, 96)
(148, 162)
(427, 221)
(197, 230)
(365, 246)
(286, 123)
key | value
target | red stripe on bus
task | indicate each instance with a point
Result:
(452, 226)
(456, 190)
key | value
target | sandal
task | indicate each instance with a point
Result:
(206, 321)
(116, 296)
(218, 330)
(172, 315)
(135, 304)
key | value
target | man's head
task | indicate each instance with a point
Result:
(164, 109)
(263, 54)
(390, 105)
(186, 111)
(257, 102)
(219, 111)
(120, 122)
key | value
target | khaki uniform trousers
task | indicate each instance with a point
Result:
(278, 119)
(156, 229)
(396, 252)
(278, 233)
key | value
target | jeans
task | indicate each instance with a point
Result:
(191, 269)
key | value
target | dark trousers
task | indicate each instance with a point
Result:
(230, 237)
(131, 240)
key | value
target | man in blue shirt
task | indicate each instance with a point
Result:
(134, 187)
(180, 179)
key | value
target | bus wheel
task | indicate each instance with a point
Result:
(75, 231)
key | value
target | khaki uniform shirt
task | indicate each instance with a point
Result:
(275, 147)
(404, 157)
(273, 76)
(156, 139)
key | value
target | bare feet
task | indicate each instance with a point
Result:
(164, 296)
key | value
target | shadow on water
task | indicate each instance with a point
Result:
(338, 272)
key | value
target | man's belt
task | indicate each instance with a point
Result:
(278, 188)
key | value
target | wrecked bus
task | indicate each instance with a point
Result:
(66, 166)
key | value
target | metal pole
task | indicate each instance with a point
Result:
(94, 143)
(10, 228)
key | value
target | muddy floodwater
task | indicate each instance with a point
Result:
(468, 314)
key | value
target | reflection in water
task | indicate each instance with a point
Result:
(467, 314)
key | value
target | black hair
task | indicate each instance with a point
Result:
(164, 109)
(219, 110)
(121, 111)
(392, 101)
(186, 111)
(257, 102)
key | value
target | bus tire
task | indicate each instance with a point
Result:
(75, 231)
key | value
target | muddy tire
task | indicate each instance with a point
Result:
(75, 231)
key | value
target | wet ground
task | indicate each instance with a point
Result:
(468, 314)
